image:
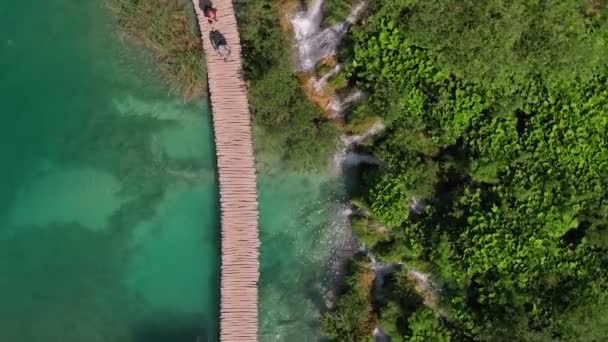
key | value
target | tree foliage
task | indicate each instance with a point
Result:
(353, 319)
(497, 116)
(288, 127)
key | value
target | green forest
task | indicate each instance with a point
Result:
(497, 115)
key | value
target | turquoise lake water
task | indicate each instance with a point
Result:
(109, 227)
(298, 231)
(108, 209)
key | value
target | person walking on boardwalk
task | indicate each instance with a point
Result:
(218, 41)
(209, 11)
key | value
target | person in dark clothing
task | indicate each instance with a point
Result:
(217, 38)
(219, 43)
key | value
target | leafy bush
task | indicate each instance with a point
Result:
(497, 119)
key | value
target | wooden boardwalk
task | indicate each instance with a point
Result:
(237, 180)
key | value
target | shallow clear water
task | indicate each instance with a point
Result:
(108, 210)
(299, 230)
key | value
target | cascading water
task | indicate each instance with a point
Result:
(423, 279)
(355, 12)
(314, 44)
(307, 23)
(338, 106)
(319, 84)
(349, 211)
(321, 45)
(379, 335)
(337, 161)
(375, 130)
(345, 158)
(355, 159)
(416, 205)
(424, 286)
(350, 142)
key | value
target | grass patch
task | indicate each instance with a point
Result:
(164, 27)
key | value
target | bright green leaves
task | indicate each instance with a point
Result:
(390, 201)
(426, 327)
(500, 124)
(557, 224)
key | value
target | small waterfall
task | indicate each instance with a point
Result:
(305, 24)
(423, 279)
(339, 105)
(319, 84)
(356, 159)
(416, 205)
(345, 158)
(379, 335)
(348, 211)
(355, 12)
(375, 130)
(314, 44)
(321, 45)
(337, 161)
(425, 287)
(381, 271)
(345, 155)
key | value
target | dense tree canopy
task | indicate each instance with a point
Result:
(506, 41)
(498, 121)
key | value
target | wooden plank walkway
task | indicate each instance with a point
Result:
(237, 180)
